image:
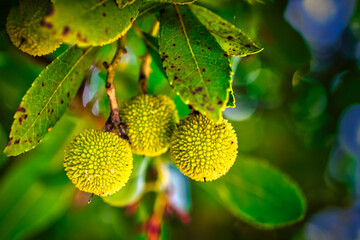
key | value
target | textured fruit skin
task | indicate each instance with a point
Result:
(24, 26)
(202, 149)
(149, 122)
(98, 162)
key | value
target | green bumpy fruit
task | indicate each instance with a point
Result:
(98, 162)
(202, 149)
(149, 122)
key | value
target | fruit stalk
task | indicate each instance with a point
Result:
(114, 119)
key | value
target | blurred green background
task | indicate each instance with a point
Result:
(297, 108)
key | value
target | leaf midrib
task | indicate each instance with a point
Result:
(56, 90)
(190, 48)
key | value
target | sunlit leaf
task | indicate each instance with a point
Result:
(90, 22)
(134, 188)
(230, 38)
(259, 194)
(47, 99)
(197, 67)
(24, 28)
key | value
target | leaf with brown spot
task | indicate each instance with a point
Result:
(86, 23)
(230, 38)
(42, 103)
(202, 89)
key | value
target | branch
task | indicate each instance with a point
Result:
(145, 68)
(114, 118)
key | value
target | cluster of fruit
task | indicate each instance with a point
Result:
(101, 162)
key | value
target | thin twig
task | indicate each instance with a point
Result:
(114, 118)
(145, 68)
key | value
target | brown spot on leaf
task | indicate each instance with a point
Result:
(210, 109)
(104, 14)
(230, 38)
(52, 111)
(68, 94)
(174, 44)
(247, 46)
(204, 70)
(209, 48)
(20, 121)
(9, 142)
(50, 11)
(131, 19)
(175, 78)
(179, 69)
(106, 30)
(47, 24)
(17, 141)
(25, 116)
(62, 102)
(20, 109)
(43, 84)
(225, 55)
(220, 102)
(66, 30)
(198, 89)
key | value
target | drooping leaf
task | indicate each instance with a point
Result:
(259, 194)
(197, 67)
(90, 22)
(134, 188)
(25, 31)
(230, 38)
(124, 3)
(47, 99)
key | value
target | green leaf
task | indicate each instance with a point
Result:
(230, 38)
(124, 3)
(24, 28)
(47, 99)
(152, 6)
(259, 194)
(134, 187)
(197, 67)
(91, 22)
